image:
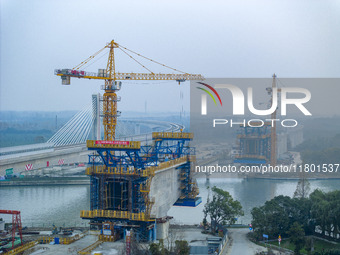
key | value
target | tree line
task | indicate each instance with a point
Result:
(320, 150)
(299, 216)
(320, 212)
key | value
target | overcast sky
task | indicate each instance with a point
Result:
(252, 38)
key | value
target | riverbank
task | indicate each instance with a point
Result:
(46, 181)
(270, 176)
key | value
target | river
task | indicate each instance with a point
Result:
(61, 205)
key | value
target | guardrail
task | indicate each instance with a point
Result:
(108, 238)
(149, 171)
(223, 244)
(90, 248)
(170, 163)
(171, 135)
(114, 214)
(62, 240)
(118, 170)
(22, 248)
(122, 145)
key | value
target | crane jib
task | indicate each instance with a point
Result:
(127, 76)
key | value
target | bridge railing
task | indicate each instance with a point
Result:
(132, 171)
(118, 170)
(171, 135)
(62, 240)
(169, 163)
(22, 248)
(124, 145)
(114, 214)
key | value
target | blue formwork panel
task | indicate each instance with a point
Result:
(189, 202)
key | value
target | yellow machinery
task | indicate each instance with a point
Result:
(120, 191)
(113, 84)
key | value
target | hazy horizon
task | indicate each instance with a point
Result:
(215, 39)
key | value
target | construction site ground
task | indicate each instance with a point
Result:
(54, 249)
(190, 233)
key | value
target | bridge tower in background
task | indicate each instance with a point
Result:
(96, 113)
(258, 143)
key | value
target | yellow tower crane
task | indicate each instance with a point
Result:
(113, 84)
(273, 138)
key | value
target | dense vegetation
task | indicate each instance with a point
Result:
(321, 211)
(320, 150)
(296, 217)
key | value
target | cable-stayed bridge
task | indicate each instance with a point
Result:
(152, 158)
(68, 144)
(86, 125)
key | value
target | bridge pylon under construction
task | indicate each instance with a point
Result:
(122, 171)
(121, 175)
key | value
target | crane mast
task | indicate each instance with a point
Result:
(121, 172)
(273, 129)
(110, 98)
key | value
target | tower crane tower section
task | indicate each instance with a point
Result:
(112, 81)
(121, 172)
(258, 145)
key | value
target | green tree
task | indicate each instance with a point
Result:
(326, 211)
(277, 215)
(302, 188)
(309, 245)
(158, 249)
(272, 218)
(334, 200)
(222, 209)
(329, 252)
(155, 249)
(297, 237)
(320, 210)
(182, 247)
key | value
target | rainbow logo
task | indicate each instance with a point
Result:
(209, 93)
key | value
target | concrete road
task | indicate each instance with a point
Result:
(240, 243)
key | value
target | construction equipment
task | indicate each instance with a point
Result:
(55, 230)
(273, 141)
(258, 145)
(16, 224)
(121, 182)
(113, 84)
(121, 171)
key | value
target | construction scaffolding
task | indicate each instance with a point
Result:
(121, 173)
(258, 142)
(254, 144)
